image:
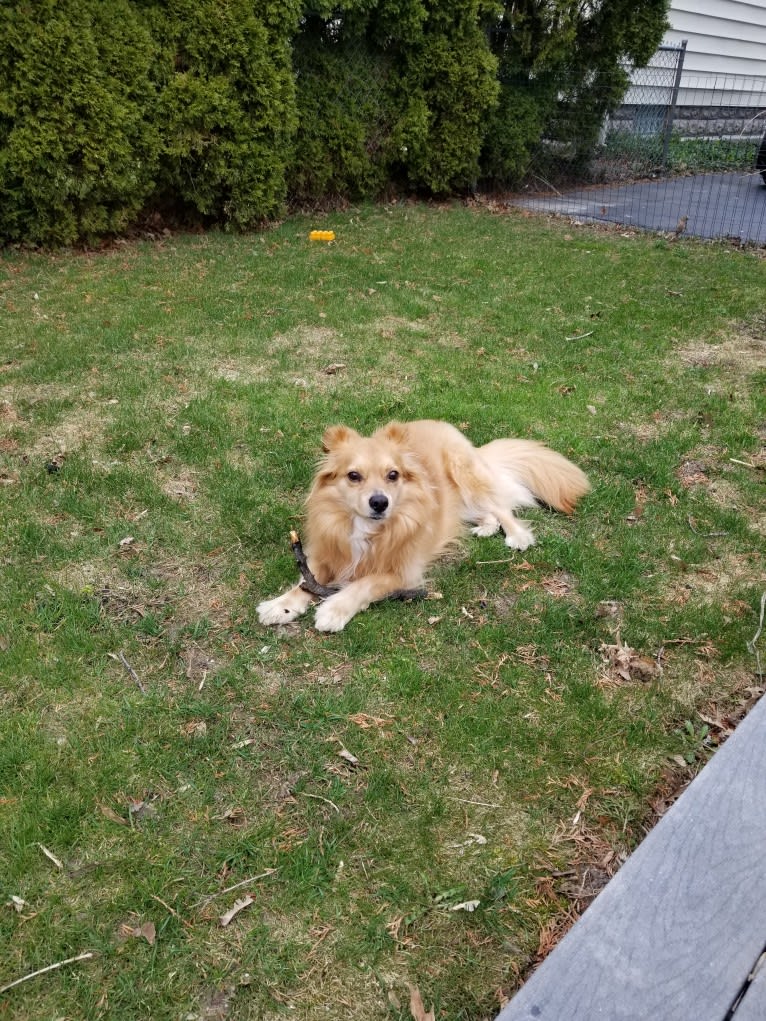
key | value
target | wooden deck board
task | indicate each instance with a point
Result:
(679, 928)
(753, 1004)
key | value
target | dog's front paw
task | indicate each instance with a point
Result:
(333, 614)
(520, 538)
(485, 526)
(283, 609)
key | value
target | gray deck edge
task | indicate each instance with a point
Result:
(753, 1004)
(681, 925)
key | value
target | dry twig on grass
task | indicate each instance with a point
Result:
(120, 658)
(42, 971)
(310, 584)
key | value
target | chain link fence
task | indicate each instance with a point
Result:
(683, 153)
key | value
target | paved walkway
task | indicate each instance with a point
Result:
(716, 205)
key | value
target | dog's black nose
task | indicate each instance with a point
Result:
(378, 503)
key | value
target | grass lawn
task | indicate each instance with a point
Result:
(431, 796)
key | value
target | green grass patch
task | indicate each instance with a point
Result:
(161, 408)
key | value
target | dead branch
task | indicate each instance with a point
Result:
(236, 886)
(42, 971)
(703, 535)
(310, 584)
(120, 657)
(404, 595)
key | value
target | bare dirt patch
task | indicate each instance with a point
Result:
(321, 359)
(740, 352)
(182, 487)
(240, 370)
(80, 428)
(310, 345)
(33, 393)
(185, 592)
(726, 494)
(715, 581)
(240, 456)
(187, 602)
(197, 589)
(389, 326)
(692, 473)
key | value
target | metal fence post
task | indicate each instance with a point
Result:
(671, 111)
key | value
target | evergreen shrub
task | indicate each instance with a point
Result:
(79, 145)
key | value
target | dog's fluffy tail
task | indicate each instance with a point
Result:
(549, 476)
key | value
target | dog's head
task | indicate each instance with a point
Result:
(367, 474)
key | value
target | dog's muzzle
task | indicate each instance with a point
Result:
(378, 505)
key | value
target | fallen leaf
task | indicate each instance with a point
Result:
(473, 838)
(244, 744)
(235, 817)
(466, 905)
(111, 815)
(418, 1011)
(16, 903)
(334, 369)
(351, 759)
(627, 664)
(147, 932)
(608, 608)
(394, 1000)
(367, 722)
(558, 585)
(239, 905)
(139, 810)
(51, 857)
(194, 728)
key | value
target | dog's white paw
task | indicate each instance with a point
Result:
(281, 610)
(486, 526)
(521, 538)
(333, 614)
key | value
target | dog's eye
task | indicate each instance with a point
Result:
(393, 475)
(354, 477)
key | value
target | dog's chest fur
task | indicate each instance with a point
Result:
(362, 532)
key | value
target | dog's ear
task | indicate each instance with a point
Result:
(395, 431)
(335, 435)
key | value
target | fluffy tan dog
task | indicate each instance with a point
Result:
(383, 508)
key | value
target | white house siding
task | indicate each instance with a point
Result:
(723, 85)
(724, 37)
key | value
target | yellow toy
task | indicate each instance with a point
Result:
(322, 235)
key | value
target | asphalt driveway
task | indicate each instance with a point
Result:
(716, 205)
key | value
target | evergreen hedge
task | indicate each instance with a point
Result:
(110, 107)
(79, 145)
(225, 106)
(220, 112)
